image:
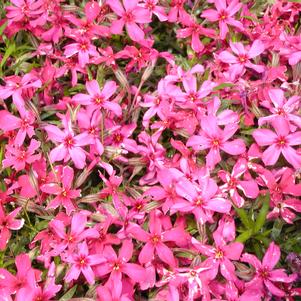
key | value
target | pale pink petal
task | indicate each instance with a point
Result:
(210, 14)
(134, 271)
(233, 250)
(147, 253)
(227, 57)
(134, 32)
(264, 137)
(116, 6)
(93, 88)
(256, 49)
(271, 155)
(234, 147)
(271, 256)
(165, 254)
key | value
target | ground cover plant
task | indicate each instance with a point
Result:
(150, 150)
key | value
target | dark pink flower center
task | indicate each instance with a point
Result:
(264, 273)
(281, 141)
(128, 17)
(215, 142)
(99, 99)
(155, 239)
(219, 254)
(242, 58)
(69, 141)
(223, 15)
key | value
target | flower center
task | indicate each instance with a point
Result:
(118, 138)
(242, 58)
(264, 273)
(69, 141)
(219, 254)
(281, 141)
(98, 99)
(84, 46)
(223, 15)
(215, 143)
(128, 17)
(64, 193)
(155, 239)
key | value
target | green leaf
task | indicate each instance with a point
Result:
(261, 217)
(245, 219)
(222, 86)
(2, 27)
(69, 294)
(295, 1)
(244, 236)
(9, 50)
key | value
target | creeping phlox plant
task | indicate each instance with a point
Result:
(150, 150)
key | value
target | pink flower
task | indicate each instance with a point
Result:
(99, 98)
(279, 142)
(118, 265)
(224, 15)
(70, 145)
(155, 9)
(23, 283)
(243, 56)
(220, 256)
(76, 234)
(16, 85)
(81, 262)
(18, 157)
(155, 241)
(214, 138)
(203, 199)
(89, 120)
(7, 223)
(64, 193)
(130, 14)
(282, 108)
(194, 30)
(265, 275)
(233, 183)
(9, 122)
(84, 49)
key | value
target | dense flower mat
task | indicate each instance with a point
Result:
(150, 150)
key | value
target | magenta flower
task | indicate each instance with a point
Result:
(84, 50)
(118, 265)
(214, 138)
(155, 9)
(220, 256)
(81, 262)
(18, 157)
(69, 145)
(23, 283)
(130, 14)
(224, 15)
(77, 233)
(16, 85)
(233, 183)
(9, 122)
(265, 275)
(99, 98)
(89, 121)
(194, 30)
(243, 56)
(8, 222)
(280, 142)
(64, 192)
(155, 241)
(203, 199)
(282, 108)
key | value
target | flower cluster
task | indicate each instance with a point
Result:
(150, 150)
